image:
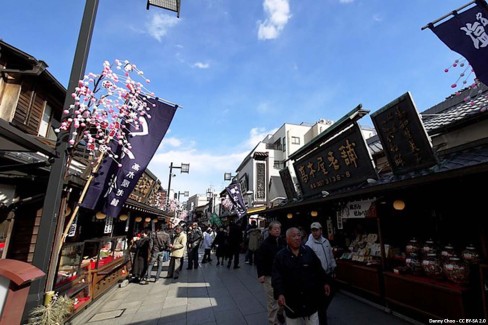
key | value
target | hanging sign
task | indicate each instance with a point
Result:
(356, 209)
(340, 162)
(402, 134)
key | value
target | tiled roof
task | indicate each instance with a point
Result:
(456, 108)
(450, 162)
(447, 113)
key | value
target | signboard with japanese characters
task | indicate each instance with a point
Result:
(288, 184)
(403, 136)
(356, 209)
(340, 162)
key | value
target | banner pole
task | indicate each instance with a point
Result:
(447, 15)
(80, 200)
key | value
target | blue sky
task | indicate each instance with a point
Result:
(240, 69)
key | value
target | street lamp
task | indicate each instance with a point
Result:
(210, 198)
(52, 202)
(185, 194)
(228, 176)
(173, 5)
(184, 168)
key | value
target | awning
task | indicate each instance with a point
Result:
(12, 139)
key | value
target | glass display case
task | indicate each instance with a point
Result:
(72, 276)
(69, 266)
(107, 258)
(98, 252)
(121, 245)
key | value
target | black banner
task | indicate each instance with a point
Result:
(466, 34)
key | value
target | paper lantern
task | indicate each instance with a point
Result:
(289, 215)
(147, 219)
(399, 205)
(123, 217)
(314, 213)
(138, 219)
(100, 215)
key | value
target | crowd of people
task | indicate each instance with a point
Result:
(297, 270)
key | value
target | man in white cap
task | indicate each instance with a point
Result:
(322, 248)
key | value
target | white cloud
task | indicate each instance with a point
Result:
(173, 142)
(278, 14)
(256, 135)
(206, 168)
(159, 24)
(346, 1)
(201, 65)
(377, 18)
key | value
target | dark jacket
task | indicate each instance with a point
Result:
(195, 237)
(235, 236)
(266, 254)
(300, 279)
(160, 242)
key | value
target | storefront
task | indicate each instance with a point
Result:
(415, 241)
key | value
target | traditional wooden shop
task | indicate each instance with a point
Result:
(411, 235)
(95, 255)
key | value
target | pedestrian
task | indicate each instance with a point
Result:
(141, 257)
(207, 245)
(160, 242)
(220, 243)
(264, 265)
(255, 239)
(322, 248)
(234, 248)
(195, 237)
(177, 252)
(299, 281)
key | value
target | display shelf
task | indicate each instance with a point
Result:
(427, 297)
(107, 260)
(484, 288)
(366, 278)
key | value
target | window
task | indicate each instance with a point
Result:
(295, 140)
(277, 164)
(45, 122)
(284, 144)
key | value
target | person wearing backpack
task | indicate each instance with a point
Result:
(255, 239)
(160, 251)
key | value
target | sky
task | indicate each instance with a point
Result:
(240, 69)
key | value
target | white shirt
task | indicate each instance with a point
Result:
(323, 250)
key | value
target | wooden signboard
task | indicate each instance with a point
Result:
(403, 136)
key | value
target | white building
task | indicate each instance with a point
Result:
(259, 172)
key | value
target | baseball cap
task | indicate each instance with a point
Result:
(315, 225)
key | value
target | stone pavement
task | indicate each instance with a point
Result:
(210, 295)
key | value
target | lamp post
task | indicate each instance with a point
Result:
(229, 176)
(184, 168)
(185, 194)
(210, 198)
(52, 203)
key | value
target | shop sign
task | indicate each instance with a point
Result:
(356, 209)
(288, 184)
(402, 134)
(340, 162)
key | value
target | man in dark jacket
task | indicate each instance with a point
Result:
(299, 281)
(264, 264)
(160, 242)
(235, 241)
(195, 237)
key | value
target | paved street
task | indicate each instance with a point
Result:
(210, 295)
